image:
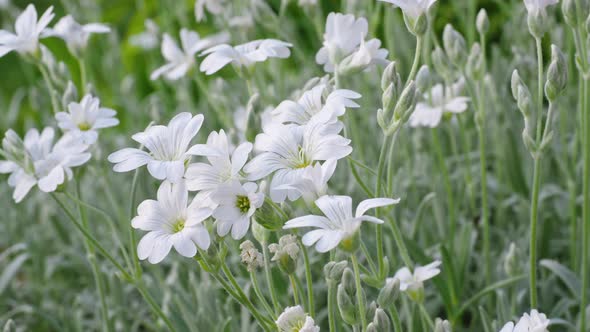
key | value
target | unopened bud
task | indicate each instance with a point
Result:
(346, 306)
(348, 280)
(268, 217)
(389, 293)
(285, 253)
(570, 14)
(475, 62)
(389, 97)
(260, 233)
(390, 76)
(251, 257)
(537, 23)
(406, 102)
(333, 270)
(423, 79)
(356, 62)
(557, 75)
(417, 26)
(380, 322)
(442, 326)
(441, 62)
(482, 23)
(454, 45)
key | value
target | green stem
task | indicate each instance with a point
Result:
(260, 295)
(308, 280)
(82, 75)
(426, 316)
(294, 289)
(154, 305)
(332, 305)
(397, 324)
(359, 292)
(533, 232)
(269, 280)
(401, 246)
(378, 189)
(447, 183)
(585, 206)
(416, 62)
(132, 236)
(539, 88)
(50, 88)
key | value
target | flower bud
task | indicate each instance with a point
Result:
(356, 62)
(423, 81)
(441, 62)
(348, 280)
(521, 94)
(285, 253)
(260, 233)
(537, 21)
(333, 270)
(268, 217)
(557, 75)
(454, 45)
(569, 10)
(442, 326)
(390, 76)
(389, 98)
(482, 23)
(346, 306)
(511, 261)
(380, 323)
(475, 62)
(389, 293)
(417, 26)
(406, 103)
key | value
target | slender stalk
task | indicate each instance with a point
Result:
(260, 295)
(82, 74)
(426, 316)
(269, 280)
(539, 87)
(378, 185)
(585, 207)
(447, 183)
(332, 305)
(416, 62)
(294, 288)
(308, 280)
(154, 305)
(132, 236)
(401, 246)
(50, 88)
(533, 233)
(397, 324)
(359, 292)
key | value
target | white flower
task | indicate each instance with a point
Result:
(28, 30)
(533, 6)
(147, 39)
(214, 7)
(36, 161)
(313, 102)
(413, 8)
(84, 119)
(533, 322)
(75, 34)
(237, 204)
(170, 222)
(369, 53)
(343, 38)
(339, 224)
(437, 102)
(314, 181)
(225, 163)
(167, 146)
(243, 55)
(181, 60)
(288, 150)
(294, 319)
(415, 281)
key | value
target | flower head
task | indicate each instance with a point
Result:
(294, 319)
(533, 322)
(243, 55)
(171, 222)
(438, 101)
(288, 150)
(36, 161)
(167, 148)
(236, 205)
(413, 283)
(27, 31)
(84, 119)
(413, 8)
(339, 224)
(344, 42)
(75, 34)
(182, 59)
(225, 163)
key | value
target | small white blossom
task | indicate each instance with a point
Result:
(287, 151)
(437, 102)
(236, 205)
(343, 38)
(73, 33)
(27, 31)
(36, 161)
(84, 119)
(339, 224)
(167, 148)
(312, 102)
(314, 181)
(413, 8)
(171, 222)
(294, 319)
(534, 6)
(147, 39)
(214, 7)
(533, 322)
(182, 59)
(415, 281)
(225, 163)
(243, 55)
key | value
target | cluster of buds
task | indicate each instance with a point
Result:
(455, 46)
(333, 271)
(380, 322)
(398, 101)
(442, 326)
(285, 253)
(251, 257)
(345, 297)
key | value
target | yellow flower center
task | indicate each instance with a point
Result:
(243, 203)
(84, 126)
(178, 226)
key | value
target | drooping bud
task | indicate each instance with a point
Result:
(285, 253)
(442, 326)
(389, 293)
(454, 45)
(475, 62)
(557, 74)
(348, 311)
(482, 23)
(423, 81)
(333, 270)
